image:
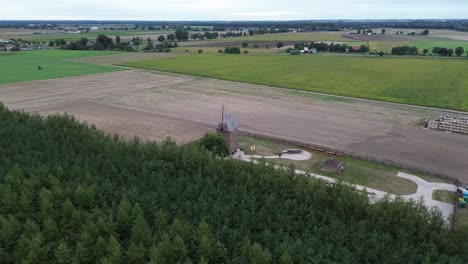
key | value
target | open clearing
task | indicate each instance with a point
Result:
(25, 66)
(148, 103)
(433, 82)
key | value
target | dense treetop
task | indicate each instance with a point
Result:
(71, 194)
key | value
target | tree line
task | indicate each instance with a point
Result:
(448, 52)
(72, 194)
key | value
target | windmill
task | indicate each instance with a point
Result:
(229, 128)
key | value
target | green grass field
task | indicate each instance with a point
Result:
(451, 44)
(433, 82)
(369, 174)
(23, 66)
(67, 54)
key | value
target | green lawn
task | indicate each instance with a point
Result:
(433, 82)
(444, 196)
(24, 67)
(369, 174)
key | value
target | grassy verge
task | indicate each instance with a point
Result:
(444, 196)
(419, 81)
(357, 171)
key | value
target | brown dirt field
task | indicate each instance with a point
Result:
(451, 34)
(154, 105)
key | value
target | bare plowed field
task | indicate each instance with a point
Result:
(155, 105)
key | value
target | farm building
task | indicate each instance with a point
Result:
(8, 47)
(229, 128)
(308, 50)
(333, 165)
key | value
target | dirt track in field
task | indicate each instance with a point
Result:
(156, 105)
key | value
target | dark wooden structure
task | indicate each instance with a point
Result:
(333, 165)
(229, 128)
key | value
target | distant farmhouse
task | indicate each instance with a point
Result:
(9, 47)
(308, 50)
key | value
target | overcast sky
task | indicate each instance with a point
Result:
(231, 10)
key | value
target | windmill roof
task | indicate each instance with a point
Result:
(231, 123)
(332, 162)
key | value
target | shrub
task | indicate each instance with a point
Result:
(200, 51)
(246, 51)
(295, 52)
(233, 50)
(216, 144)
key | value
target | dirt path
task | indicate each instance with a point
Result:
(155, 105)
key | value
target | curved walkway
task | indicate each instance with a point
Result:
(424, 191)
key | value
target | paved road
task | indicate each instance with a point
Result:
(155, 105)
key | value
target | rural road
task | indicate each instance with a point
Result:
(155, 105)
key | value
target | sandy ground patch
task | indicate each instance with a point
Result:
(366, 128)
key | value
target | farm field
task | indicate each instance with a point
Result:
(450, 34)
(67, 54)
(24, 66)
(387, 42)
(156, 105)
(69, 36)
(451, 44)
(301, 36)
(432, 82)
(214, 50)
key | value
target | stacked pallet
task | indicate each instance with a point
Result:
(449, 123)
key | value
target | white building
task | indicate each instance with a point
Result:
(308, 50)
